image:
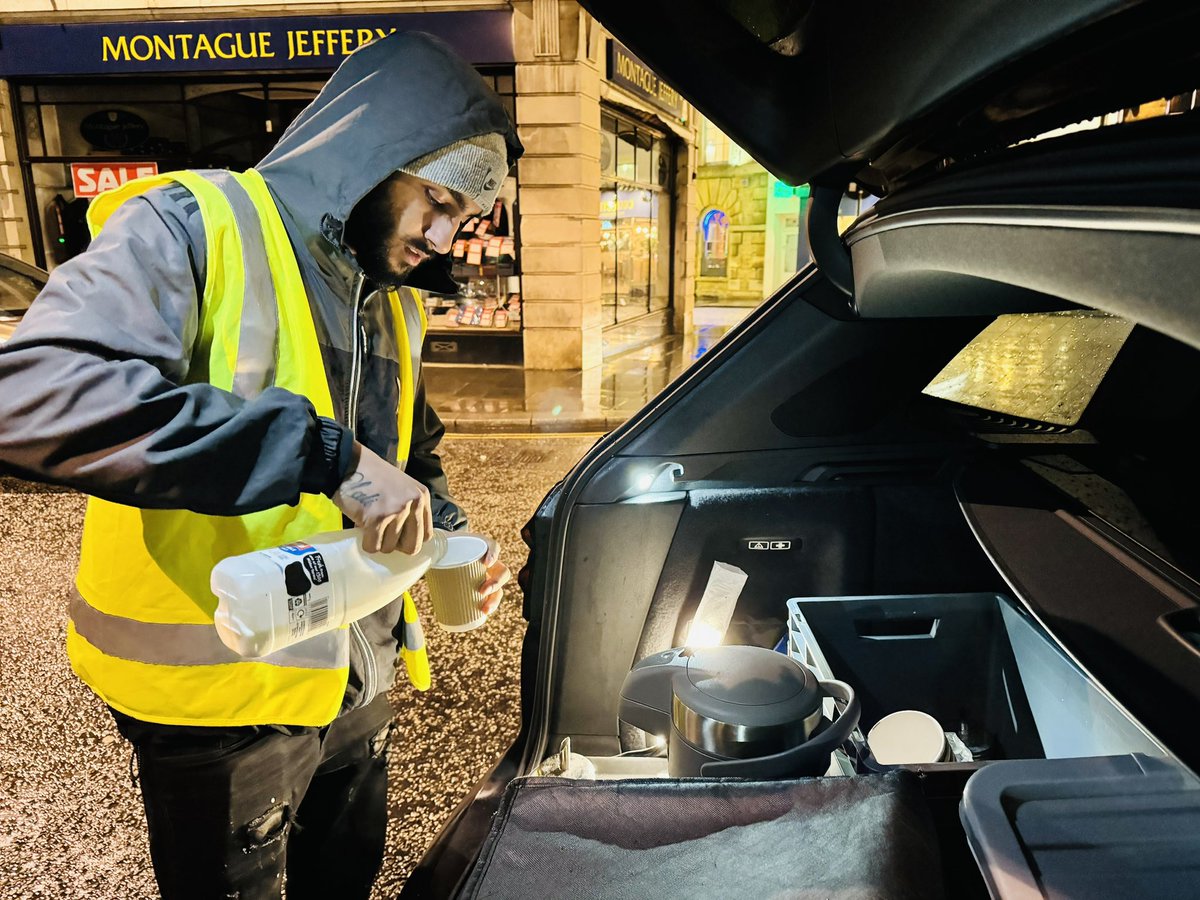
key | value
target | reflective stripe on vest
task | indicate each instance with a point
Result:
(141, 632)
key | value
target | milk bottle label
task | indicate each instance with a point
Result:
(306, 580)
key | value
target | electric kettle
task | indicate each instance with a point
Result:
(737, 711)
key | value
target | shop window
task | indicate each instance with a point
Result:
(635, 204)
(229, 124)
(714, 235)
(626, 153)
(486, 262)
(608, 147)
(214, 122)
(163, 124)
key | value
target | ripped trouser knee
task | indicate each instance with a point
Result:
(220, 805)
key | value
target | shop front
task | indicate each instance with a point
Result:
(96, 104)
(590, 252)
(643, 133)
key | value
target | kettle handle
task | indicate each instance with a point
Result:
(797, 759)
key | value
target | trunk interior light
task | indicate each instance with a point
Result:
(661, 477)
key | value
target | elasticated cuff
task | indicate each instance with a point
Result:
(329, 459)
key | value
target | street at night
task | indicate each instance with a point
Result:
(71, 820)
(855, 345)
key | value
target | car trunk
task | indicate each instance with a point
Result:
(934, 555)
(1029, 579)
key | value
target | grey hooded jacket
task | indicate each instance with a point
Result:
(94, 390)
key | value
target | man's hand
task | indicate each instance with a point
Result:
(391, 508)
(498, 575)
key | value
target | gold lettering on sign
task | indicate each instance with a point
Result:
(234, 44)
(204, 45)
(145, 42)
(109, 50)
(163, 47)
(644, 80)
(223, 44)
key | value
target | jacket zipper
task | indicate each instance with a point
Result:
(359, 331)
(355, 353)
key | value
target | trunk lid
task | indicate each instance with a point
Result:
(883, 93)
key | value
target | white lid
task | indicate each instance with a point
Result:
(907, 736)
(461, 549)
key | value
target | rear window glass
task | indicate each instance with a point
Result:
(1043, 366)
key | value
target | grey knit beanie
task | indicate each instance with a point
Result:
(474, 167)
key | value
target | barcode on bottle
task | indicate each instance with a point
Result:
(318, 612)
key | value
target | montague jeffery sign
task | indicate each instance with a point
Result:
(635, 76)
(279, 42)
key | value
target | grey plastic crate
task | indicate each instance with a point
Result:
(975, 662)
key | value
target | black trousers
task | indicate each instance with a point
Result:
(230, 810)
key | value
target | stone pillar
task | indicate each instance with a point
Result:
(16, 238)
(687, 211)
(558, 120)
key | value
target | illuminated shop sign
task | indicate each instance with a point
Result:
(291, 42)
(92, 179)
(626, 203)
(635, 76)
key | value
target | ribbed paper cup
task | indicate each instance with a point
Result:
(454, 583)
(908, 736)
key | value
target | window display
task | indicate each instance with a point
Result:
(484, 257)
(77, 139)
(635, 217)
(164, 124)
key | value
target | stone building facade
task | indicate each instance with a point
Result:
(602, 210)
(740, 193)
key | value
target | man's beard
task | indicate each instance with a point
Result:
(376, 264)
(369, 229)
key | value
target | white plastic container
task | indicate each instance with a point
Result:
(271, 599)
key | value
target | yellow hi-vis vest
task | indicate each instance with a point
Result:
(141, 629)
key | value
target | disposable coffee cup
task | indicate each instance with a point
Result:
(454, 582)
(908, 736)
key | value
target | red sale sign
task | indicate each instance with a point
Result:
(90, 179)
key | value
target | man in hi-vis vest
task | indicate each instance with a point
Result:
(234, 364)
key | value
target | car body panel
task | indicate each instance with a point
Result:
(20, 283)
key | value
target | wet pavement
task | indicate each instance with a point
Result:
(476, 399)
(71, 821)
(1040, 366)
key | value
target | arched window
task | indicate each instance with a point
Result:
(714, 236)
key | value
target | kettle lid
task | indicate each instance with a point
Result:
(750, 686)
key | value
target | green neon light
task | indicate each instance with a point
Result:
(783, 191)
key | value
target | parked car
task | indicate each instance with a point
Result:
(20, 283)
(952, 459)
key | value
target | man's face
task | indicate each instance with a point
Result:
(401, 223)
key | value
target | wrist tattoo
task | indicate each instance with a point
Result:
(357, 488)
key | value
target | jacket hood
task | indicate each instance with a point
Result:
(388, 103)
